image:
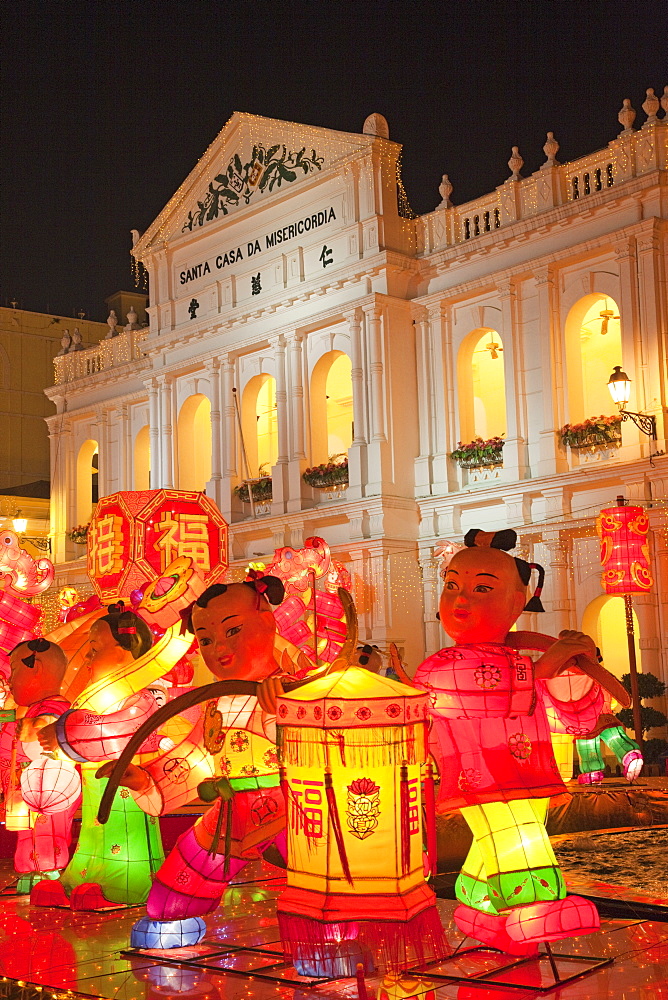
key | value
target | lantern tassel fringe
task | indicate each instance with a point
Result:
(373, 747)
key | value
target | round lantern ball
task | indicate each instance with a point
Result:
(50, 786)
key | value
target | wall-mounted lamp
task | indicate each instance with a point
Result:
(619, 385)
(19, 523)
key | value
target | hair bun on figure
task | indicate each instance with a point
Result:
(505, 539)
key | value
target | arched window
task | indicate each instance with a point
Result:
(260, 424)
(331, 407)
(194, 439)
(87, 480)
(605, 621)
(482, 388)
(593, 348)
(142, 459)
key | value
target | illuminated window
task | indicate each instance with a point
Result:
(593, 348)
(259, 420)
(331, 407)
(87, 480)
(194, 443)
(142, 460)
(604, 620)
(481, 383)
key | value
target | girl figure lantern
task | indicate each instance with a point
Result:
(351, 745)
(491, 740)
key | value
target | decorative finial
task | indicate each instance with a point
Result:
(626, 117)
(551, 148)
(664, 102)
(516, 163)
(445, 190)
(650, 106)
(376, 124)
(134, 233)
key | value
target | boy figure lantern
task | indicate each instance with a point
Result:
(491, 740)
(351, 746)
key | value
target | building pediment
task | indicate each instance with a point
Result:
(249, 160)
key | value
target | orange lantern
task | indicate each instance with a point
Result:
(351, 746)
(624, 550)
(135, 536)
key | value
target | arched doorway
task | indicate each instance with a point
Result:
(260, 424)
(481, 385)
(604, 619)
(142, 459)
(87, 480)
(593, 348)
(331, 407)
(194, 440)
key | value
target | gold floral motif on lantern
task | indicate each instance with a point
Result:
(363, 807)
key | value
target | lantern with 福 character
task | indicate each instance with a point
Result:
(135, 537)
(623, 531)
(351, 746)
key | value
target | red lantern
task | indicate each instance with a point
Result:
(134, 536)
(624, 550)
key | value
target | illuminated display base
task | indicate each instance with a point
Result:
(67, 954)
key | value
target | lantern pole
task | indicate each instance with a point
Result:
(633, 668)
(633, 663)
(243, 452)
(315, 617)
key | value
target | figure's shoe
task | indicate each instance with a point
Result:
(552, 921)
(89, 896)
(591, 777)
(632, 763)
(49, 893)
(149, 933)
(490, 929)
(28, 880)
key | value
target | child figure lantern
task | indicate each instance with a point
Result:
(491, 740)
(351, 746)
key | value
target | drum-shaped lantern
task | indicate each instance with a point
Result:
(624, 550)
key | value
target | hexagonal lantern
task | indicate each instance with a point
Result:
(134, 536)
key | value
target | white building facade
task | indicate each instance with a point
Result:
(298, 311)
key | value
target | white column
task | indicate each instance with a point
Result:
(514, 451)
(298, 492)
(280, 484)
(154, 434)
(125, 446)
(103, 458)
(376, 372)
(230, 506)
(214, 485)
(357, 453)
(434, 637)
(632, 353)
(653, 316)
(425, 401)
(445, 473)
(555, 596)
(166, 442)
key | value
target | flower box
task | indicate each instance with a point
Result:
(596, 432)
(261, 490)
(327, 476)
(479, 454)
(78, 535)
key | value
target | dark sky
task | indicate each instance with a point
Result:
(106, 107)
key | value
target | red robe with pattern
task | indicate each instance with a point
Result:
(489, 734)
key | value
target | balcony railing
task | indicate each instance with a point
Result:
(120, 350)
(626, 157)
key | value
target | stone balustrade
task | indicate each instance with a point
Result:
(631, 154)
(112, 353)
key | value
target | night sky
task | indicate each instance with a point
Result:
(107, 107)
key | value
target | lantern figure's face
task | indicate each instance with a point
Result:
(104, 653)
(235, 636)
(30, 684)
(483, 596)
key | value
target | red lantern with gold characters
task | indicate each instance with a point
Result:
(624, 550)
(135, 536)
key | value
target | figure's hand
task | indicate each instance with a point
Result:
(47, 737)
(28, 730)
(268, 692)
(135, 778)
(569, 644)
